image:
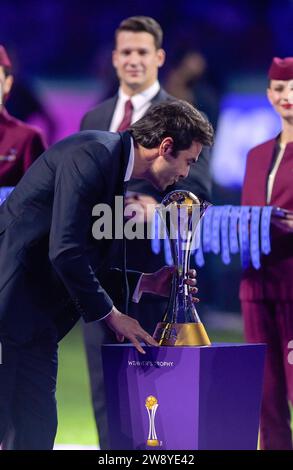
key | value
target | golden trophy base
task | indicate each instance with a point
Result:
(152, 442)
(181, 334)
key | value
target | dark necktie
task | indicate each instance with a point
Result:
(126, 121)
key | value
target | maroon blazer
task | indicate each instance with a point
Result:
(20, 145)
(274, 280)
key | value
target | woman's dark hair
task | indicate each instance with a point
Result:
(177, 119)
(142, 24)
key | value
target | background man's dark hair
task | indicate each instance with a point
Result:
(139, 24)
(177, 119)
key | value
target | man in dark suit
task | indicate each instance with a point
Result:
(52, 269)
(137, 57)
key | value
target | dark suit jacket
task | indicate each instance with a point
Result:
(51, 267)
(199, 178)
(273, 281)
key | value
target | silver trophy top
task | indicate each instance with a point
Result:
(186, 199)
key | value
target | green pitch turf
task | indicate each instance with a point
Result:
(75, 416)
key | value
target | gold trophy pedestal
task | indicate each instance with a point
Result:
(152, 442)
(181, 334)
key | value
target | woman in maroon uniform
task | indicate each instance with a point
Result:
(20, 144)
(267, 294)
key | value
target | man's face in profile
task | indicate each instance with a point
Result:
(168, 168)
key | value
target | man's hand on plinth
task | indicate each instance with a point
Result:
(127, 327)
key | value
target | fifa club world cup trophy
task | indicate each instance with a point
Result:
(180, 213)
(151, 405)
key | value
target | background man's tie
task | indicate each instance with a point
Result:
(126, 121)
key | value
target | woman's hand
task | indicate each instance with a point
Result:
(286, 224)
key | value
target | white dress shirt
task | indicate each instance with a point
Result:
(130, 165)
(141, 102)
(137, 293)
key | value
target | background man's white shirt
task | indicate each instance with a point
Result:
(141, 102)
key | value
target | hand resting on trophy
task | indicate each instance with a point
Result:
(160, 282)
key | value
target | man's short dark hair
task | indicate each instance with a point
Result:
(142, 24)
(177, 119)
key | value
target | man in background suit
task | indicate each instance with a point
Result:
(53, 270)
(137, 57)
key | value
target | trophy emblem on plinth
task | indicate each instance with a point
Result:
(151, 405)
(180, 213)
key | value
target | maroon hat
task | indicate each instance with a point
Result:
(281, 69)
(4, 59)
